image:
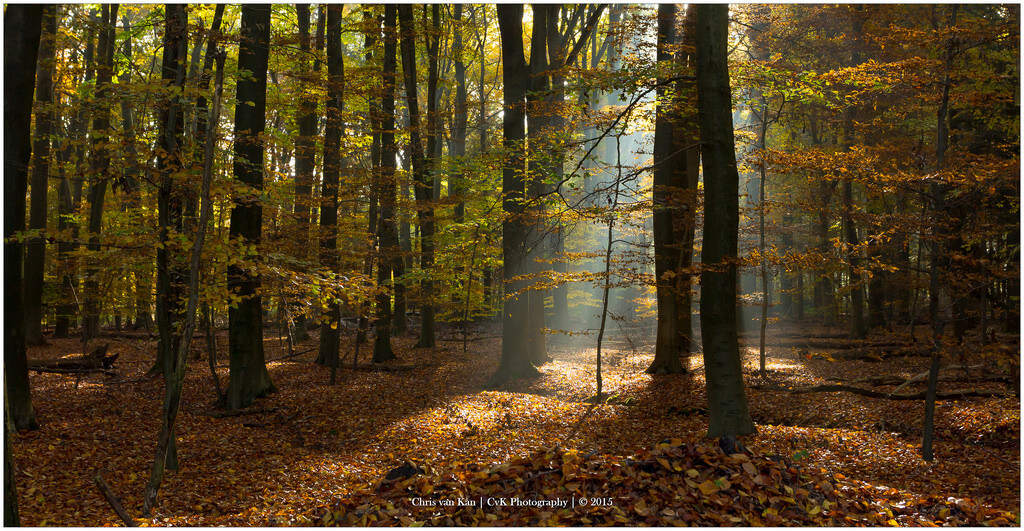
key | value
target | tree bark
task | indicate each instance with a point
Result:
(22, 30)
(305, 150)
(100, 166)
(174, 370)
(515, 358)
(35, 259)
(666, 350)
(249, 378)
(728, 415)
(421, 163)
(387, 237)
(329, 333)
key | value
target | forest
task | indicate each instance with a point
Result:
(478, 264)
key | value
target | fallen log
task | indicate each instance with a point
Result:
(875, 353)
(836, 388)
(832, 344)
(97, 361)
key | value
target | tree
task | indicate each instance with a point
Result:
(387, 238)
(22, 31)
(515, 353)
(99, 165)
(249, 378)
(421, 163)
(329, 335)
(728, 415)
(36, 248)
(174, 369)
(667, 158)
(305, 145)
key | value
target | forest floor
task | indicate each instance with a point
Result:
(314, 453)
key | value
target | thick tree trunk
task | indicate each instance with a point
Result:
(728, 415)
(249, 378)
(22, 29)
(515, 354)
(36, 247)
(666, 352)
(329, 333)
(387, 237)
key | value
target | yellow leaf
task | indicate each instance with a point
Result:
(708, 487)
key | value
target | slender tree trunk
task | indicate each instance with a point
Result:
(100, 165)
(36, 248)
(170, 269)
(305, 151)
(387, 238)
(329, 333)
(372, 29)
(421, 164)
(458, 150)
(728, 415)
(249, 378)
(22, 30)
(937, 259)
(174, 371)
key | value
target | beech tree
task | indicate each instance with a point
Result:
(249, 376)
(22, 31)
(728, 415)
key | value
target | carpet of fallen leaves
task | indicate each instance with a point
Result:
(534, 452)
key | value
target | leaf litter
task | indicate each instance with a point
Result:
(316, 454)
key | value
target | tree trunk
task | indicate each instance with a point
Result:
(515, 358)
(728, 415)
(329, 333)
(538, 122)
(687, 137)
(458, 150)
(421, 164)
(305, 152)
(35, 262)
(11, 518)
(22, 30)
(666, 352)
(249, 378)
(100, 165)
(171, 271)
(387, 237)
(174, 370)
(938, 200)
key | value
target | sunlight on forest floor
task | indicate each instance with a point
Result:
(308, 445)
